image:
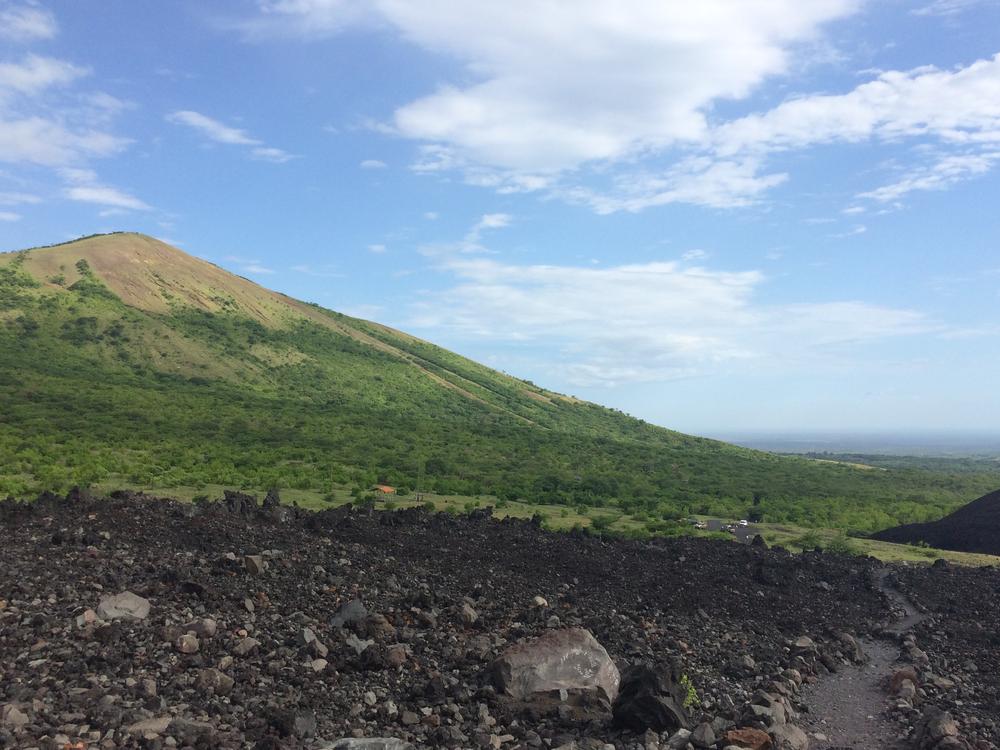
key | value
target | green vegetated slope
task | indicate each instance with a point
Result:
(122, 358)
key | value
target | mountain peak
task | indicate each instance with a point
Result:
(151, 275)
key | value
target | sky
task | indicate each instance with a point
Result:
(719, 216)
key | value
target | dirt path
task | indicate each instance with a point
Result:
(847, 708)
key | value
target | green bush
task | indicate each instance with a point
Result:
(842, 544)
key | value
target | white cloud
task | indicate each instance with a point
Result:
(695, 254)
(960, 106)
(37, 73)
(586, 81)
(105, 196)
(26, 22)
(650, 321)
(327, 271)
(940, 175)
(377, 249)
(373, 164)
(852, 232)
(701, 180)
(84, 186)
(219, 132)
(587, 90)
(212, 129)
(44, 141)
(583, 84)
(492, 221)
(9, 216)
(275, 155)
(311, 19)
(947, 7)
(431, 215)
(15, 199)
(257, 269)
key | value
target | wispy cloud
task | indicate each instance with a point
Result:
(257, 268)
(46, 142)
(219, 132)
(9, 216)
(212, 129)
(650, 321)
(327, 271)
(940, 175)
(373, 164)
(377, 249)
(36, 73)
(85, 187)
(947, 7)
(44, 121)
(26, 22)
(695, 254)
(16, 199)
(250, 265)
(852, 232)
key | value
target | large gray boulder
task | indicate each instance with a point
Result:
(123, 606)
(567, 659)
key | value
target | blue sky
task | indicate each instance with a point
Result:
(719, 216)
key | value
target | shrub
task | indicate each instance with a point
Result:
(602, 522)
(842, 545)
(691, 699)
(809, 540)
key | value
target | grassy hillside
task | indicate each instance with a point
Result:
(124, 359)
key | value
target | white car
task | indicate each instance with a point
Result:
(744, 523)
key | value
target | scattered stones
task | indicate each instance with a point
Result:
(359, 627)
(789, 737)
(123, 606)
(215, 680)
(245, 646)
(351, 614)
(206, 627)
(187, 644)
(467, 614)
(12, 716)
(255, 564)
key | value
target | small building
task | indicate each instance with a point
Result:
(384, 489)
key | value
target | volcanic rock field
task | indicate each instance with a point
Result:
(138, 622)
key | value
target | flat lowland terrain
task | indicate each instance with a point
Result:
(137, 622)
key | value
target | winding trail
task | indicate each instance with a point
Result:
(847, 708)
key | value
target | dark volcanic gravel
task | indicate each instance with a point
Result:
(961, 635)
(285, 664)
(972, 528)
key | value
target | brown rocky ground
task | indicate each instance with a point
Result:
(252, 640)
